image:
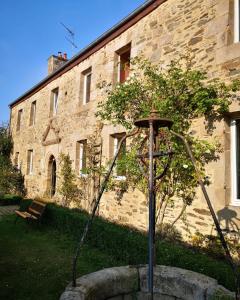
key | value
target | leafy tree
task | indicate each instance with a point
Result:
(182, 94)
(11, 179)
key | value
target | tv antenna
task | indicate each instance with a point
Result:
(71, 36)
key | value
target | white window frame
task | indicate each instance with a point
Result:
(55, 101)
(236, 21)
(119, 68)
(30, 168)
(81, 148)
(85, 87)
(234, 200)
(115, 147)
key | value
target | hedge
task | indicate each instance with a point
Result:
(9, 199)
(130, 246)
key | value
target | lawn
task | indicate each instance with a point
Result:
(35, 263)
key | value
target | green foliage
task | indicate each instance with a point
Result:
(212, 244)
(178, 92)
(129, 246)
(11, 179)
(6, 143)
(181, 94)
(68, 189)
(10, 200)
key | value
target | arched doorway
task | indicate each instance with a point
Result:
(52, 178)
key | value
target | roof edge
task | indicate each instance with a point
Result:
(127, 22)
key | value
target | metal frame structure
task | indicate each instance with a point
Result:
(152, 124)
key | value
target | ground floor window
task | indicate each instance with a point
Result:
(235, 161)
(30, 162)
(81, 157)
(119, 170)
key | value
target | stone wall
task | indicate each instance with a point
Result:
(130, 283)
(176, 27)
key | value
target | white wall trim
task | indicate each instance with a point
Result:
(236, 21)
(85, 87)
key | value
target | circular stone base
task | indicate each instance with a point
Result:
(130, 283)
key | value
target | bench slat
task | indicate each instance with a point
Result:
(25, 215)
(35, 211)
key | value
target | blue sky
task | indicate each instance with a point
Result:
(30, 31)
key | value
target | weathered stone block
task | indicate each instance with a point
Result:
(177, 282)
(71, 295)
(107, 283)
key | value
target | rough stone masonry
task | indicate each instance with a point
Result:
(159, 31)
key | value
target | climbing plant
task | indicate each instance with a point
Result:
(81, 189)
(68, 186)
(183, 94)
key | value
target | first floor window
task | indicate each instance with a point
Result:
(124, 56)
(54, 102)
(235, 161)
(236, 21)
(19, 119)
(120, 169)
(82, 157)
(30, 162)
(87, 86)
(33, 113)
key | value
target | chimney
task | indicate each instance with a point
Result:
(56, 61)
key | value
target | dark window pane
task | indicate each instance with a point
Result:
(19, 120)
(88, 87)
(124, 66)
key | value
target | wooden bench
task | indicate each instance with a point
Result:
(33, 213)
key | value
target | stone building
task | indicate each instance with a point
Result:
(58, 114)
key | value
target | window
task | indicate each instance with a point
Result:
(54, 102)
(124, 56)
(30, 162)
(119, 170)
(81, 157)
(87, 85)
(235, 161)
(236, 21)
(17, 161)
(33, 113)
(19, 119)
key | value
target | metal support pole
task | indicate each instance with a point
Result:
(154, 196)
(151, 212)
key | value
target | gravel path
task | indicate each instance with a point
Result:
(7, 210)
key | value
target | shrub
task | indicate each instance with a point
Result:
(10, 199)
(11, 178)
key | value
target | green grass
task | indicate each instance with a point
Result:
(35, 263)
